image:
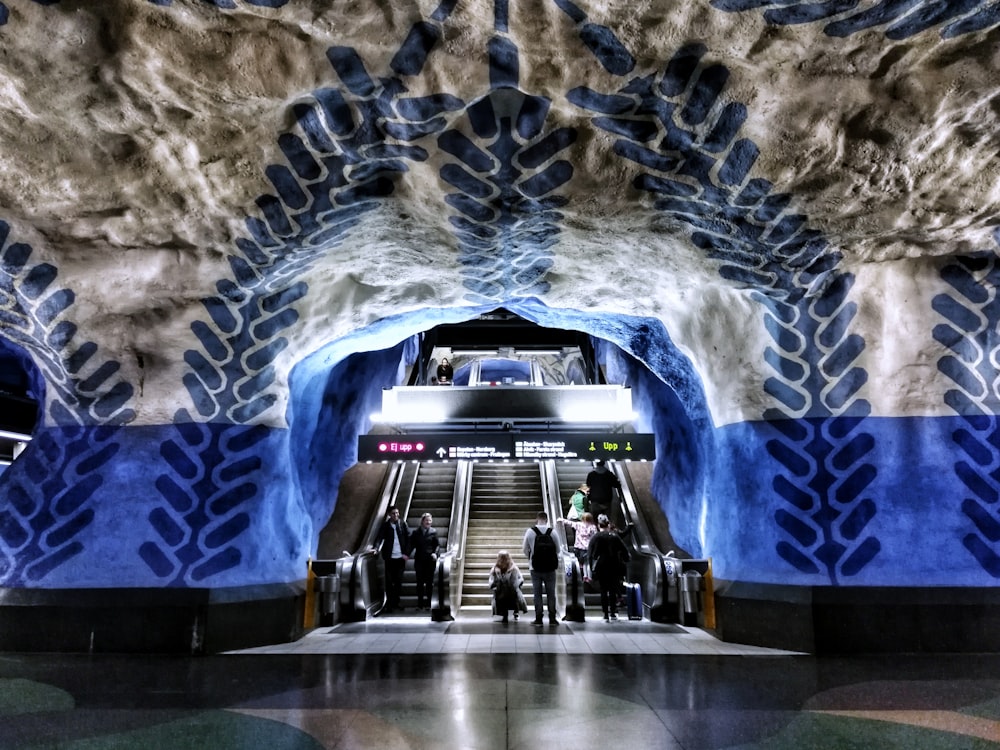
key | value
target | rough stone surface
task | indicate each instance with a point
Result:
(781, 222)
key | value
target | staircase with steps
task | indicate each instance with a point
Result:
(505, 499)
(433, 493)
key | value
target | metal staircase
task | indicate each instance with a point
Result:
(504, 501)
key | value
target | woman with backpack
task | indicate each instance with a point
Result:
(506, 581)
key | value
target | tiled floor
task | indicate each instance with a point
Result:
(408, 684)
(480, 634)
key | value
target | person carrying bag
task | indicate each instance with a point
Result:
(578, 503)
(506, 581)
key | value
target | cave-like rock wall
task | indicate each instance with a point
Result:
(222, 224)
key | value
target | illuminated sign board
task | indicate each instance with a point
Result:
(507, 445)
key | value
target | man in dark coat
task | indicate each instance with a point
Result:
(602, 483)
(608, 558)
(395, 542)
(424, 544)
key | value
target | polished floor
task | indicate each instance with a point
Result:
(474, 684)
(480, 633)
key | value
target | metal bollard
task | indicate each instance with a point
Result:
(692, 584)
(329, 590)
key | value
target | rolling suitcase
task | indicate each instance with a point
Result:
(633, 601)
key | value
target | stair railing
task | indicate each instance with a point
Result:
(448, 571)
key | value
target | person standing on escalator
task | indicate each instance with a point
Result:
(395, 542)
(602, 483)
(424, 546)
(584, 532)
(609, 558)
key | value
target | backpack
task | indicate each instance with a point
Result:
(545, 556)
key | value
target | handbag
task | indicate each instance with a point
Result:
(572, 514)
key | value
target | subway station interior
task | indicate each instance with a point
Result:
(743, 252)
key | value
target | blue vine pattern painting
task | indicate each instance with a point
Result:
(677, 128)
(507, 216)
(47, 509)
(900, 19)
(971, 311)
(51, 502)
(507, 163)
(35, 314)
(209, 498)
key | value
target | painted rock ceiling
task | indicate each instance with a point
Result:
(344, 163)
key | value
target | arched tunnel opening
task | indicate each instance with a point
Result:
(333, 403)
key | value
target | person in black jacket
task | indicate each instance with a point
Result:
(395, 543)
(602, 483)
(424, 546)
(445, 372)
(608, 557)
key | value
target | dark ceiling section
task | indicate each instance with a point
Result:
(502, 328)
(17, 414)
(18, 411)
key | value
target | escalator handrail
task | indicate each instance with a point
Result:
(459, 522)
(367, 552)
(403, 497)
(640, 538)
(386, 499)
(450, 560)
(552, 503)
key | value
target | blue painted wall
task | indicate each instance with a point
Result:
(217, 505)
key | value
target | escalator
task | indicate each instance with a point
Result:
(481, 508)
(570, 477)
(656, 573)
(432, 492)
(415, 489)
